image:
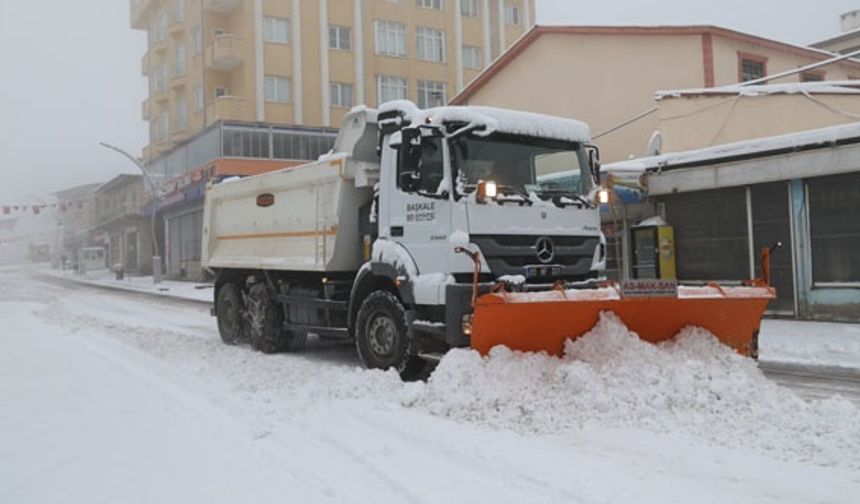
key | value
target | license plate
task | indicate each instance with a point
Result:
(542, 271)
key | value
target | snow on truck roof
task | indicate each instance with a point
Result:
(495, 120)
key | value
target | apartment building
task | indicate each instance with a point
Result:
(307, 62)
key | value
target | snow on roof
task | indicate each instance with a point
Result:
(823, 136)
(495, 119)
(822, 87)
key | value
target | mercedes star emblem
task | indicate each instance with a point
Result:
(545, 250)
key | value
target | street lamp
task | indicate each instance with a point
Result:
(156, 258)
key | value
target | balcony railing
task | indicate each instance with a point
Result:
(137, 13)
(225, 53)
(222, 6)
(144, 65)
(178, 78)
(145, 109)
(106, 215)
(226, 108)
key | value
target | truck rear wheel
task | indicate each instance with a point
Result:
(228, 309)
(382, 336)
(267, 332)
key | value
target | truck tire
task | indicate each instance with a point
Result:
(382, 336)
(229, 309)
(267, 332)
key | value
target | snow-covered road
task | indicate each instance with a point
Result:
(105, 397)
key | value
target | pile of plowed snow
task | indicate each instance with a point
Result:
(611, 378)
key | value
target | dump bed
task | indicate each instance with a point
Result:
(304, 218)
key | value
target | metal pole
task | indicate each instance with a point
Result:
(156, 258)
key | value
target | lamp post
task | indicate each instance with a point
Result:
(156, 258)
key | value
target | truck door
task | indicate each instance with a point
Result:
(420, 202)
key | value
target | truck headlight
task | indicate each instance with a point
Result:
(487, 189)
(603, 196)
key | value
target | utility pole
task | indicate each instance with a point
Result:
(156, 257)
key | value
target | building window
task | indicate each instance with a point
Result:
(197, 96)
(182, 114)
(161, 128)
(221, 91)
(341, 94)
(469, 8)
(181, 10)
(160, 78)
(512, 14)
(278, 89)
(196, 40)
(430, 4)
(181, 64)
(432, 94)
(431, 44)
(751, 67)
(339, 38)
(276, 30)
(812, 77)
(390, 38)
(835, 238)
(390, 88)
(472, 57)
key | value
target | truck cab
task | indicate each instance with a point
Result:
(516, 190)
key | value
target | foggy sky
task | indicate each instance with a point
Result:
(71, 74)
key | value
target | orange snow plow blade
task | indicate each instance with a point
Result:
(543, 321)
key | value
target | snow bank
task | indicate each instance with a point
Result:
(610, 378)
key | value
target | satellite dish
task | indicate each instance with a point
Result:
(655, 145)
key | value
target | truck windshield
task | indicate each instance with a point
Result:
(521, 165)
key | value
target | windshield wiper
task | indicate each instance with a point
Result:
(557, 195)
(512, 190)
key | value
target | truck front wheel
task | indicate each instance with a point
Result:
(228, 310)
(382, 336)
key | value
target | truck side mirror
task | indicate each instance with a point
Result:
(594, 162)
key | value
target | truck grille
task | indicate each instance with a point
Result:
(509, 254)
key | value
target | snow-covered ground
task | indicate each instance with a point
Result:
(108, 397)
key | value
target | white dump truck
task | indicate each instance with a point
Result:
(388, 239)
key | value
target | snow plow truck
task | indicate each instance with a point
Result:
(425, 230)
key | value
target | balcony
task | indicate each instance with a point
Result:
(127, 210)
(178, 80)
(179, 136)
(138, 13)
(158, 46)
(160, 95)
(225, 53)
(145, 109)
(222, 6)
(177, 25)
(226, 108)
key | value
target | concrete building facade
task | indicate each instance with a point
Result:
(307, 62)
(75, 212)
(121, 215)
(608, 76)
